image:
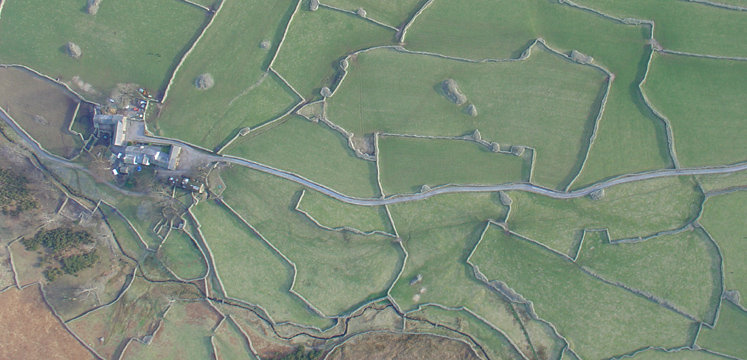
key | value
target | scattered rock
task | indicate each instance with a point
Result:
(422, 290)
(416, 298)
(73, 50)
(518, 150)
(40, 120)
(631, 21)
(418, 278)
(655, 45)
(204, 81)
(265, 44)
(326, 92)
(451, 88)
(471, 110)
(733, 296)
(93, 6)
(495, 147)
(361, 12)
(581, 58)
(505, 199)
(313, 5)
(476, 135)
(508, 292)
(597, 194)
(425, 188)
(344, 64)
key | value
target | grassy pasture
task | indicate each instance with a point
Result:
(492, 341)
(336, 214)
(390, 12)
(684, 26)
(631, 210)
(679, 355)
(40, 107)
(723, 217)
(630, 138)
(230, 51)
(407, 164)
(313, 151)
(137, 41)
(439, 233)
(230, 343)
(124, 235)
(599, 320)
(722, 181)
(337, 271)
(180, 254)
(317, 40)
(545, 102)
(704, 101)
(728, 335)
(136, 314)
(249, 268)
(184, 334)
(656, 266)
(143, 214)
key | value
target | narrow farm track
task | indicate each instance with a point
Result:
(396, 199)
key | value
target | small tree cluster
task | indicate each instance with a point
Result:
(15, 197)
(71, 265)
(57, 240)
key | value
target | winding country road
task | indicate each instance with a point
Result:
(395, 199)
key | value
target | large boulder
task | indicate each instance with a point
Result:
(451, 88)
(204, 81)
(73, 50)
(93, 6)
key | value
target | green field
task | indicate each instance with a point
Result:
(230, 343)
(136, 314)
(335, 214)
(724, 338)
(722, 217)
(250, 269)
(655, 266)
(337, 271)
(181, 255)
(313, 151)
(316, 41)
(599, 320)
(704, 101)
(143, 213)
(439, 233)
(184, 334)
(134, 41)
(632, 210)
(678, 355)
(684, 26)
(493, 342)
(391, 12)
(630, 138)
(243, 94)
(545, 102)
(408, 163)
(723, 181)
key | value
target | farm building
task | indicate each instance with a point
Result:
(114, 124)
(151, 155)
